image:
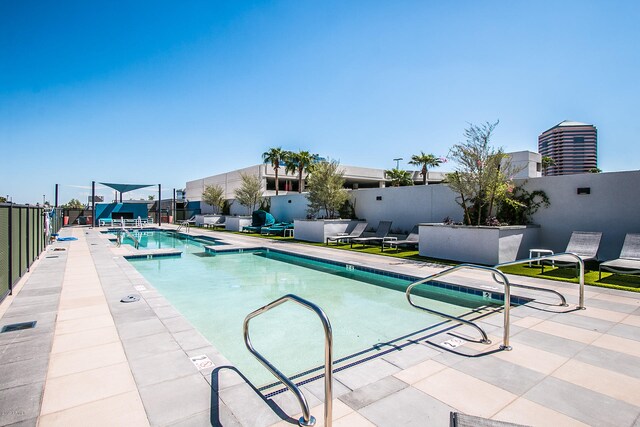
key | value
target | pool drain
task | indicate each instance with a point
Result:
(130, 298)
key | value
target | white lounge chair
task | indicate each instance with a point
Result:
(346, 238)
(629, 260)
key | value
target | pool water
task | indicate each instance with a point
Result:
(366, 310)
(167, 240)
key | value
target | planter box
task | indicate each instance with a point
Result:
(318, 230)
(235, 223)
(478, 245)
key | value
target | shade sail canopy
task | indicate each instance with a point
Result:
(124, 188)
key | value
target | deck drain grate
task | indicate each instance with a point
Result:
(18, 326)
(130, 298)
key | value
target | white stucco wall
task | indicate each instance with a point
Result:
(612, 208)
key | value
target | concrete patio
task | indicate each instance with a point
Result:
(92, 359)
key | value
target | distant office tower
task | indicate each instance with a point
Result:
(573, 146)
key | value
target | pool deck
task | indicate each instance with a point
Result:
(94, 360)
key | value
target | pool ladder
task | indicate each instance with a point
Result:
(136, 242)
(502, 279)
(307, 419)
(185, 225)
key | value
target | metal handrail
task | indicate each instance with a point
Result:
(507, 300)
(184, 225)
(307, 419)
(579, 261)
(136, 242)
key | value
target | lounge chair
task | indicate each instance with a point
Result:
(277, 228)
(411, 240)
(582, 243)
(219, 222)
(629, 260)
(346, 238)
(259, 219)
(381, 234)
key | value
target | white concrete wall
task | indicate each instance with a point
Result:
(612, 208)
(406, 206)
(289, 207)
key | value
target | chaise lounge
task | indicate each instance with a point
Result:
(629, 260)
(346, 238)
(584, 244)
(381, 234)
(411, 240)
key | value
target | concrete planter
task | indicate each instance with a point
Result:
(318, 230)
(478, 245)
(235, 223)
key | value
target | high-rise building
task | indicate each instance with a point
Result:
(573, 146)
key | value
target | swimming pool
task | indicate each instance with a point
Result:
(368, 311)
(163, 239)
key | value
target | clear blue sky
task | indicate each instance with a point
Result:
(167, 92)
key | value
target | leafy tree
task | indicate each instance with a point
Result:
(249, 193)
(275, 156)
(595, 170)
(399, 177)
(151, 197)
(425, 161)
(326, 188)
(3, 199)
(528, 204)
(74, 204)
(299, 162)
(547, 162)
(484, 175)
(213, 195)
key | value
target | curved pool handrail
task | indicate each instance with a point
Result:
(507, 300)
(307, 419)
(579, 261)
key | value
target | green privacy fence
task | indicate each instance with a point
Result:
(22, 240)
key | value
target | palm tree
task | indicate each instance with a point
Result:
(425, 161)
(299, 162)
(275, 156)
(399, 177)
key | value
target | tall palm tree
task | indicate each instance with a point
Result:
(275, 156)
(426, 161)
(299, 162)
(399, 177)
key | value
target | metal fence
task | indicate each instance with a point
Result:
(22, 240)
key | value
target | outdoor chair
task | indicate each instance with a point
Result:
(381, 234)
(346, 237)
(584, 244)
(629, 260)
(411, 240)
(259, 219)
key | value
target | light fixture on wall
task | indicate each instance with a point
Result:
(584, 190)
(378, 197)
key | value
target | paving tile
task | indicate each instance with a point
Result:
(353, 420)
(166, 312)
(632, 320)
(149, 345)
(219, 416)
(527, 322)
(171, 401)
(526, 412)
(465, 392)
(373, 392)
(410, 355)
(162, 367)
(626, 331)
(547, 342)
(598, 313)
(420, 371)
(71, 362)
(23, 372)
(82, 312)
(618, 299)
(609, 359)
(611, 305)
(26, 350)
(582, 404)
(408, 407)
(140, 328)
(84, 339)
(533, 358)
(365, 373)
(565, 331)
(177, 324)
(288, 403)
(503, 374)
(585, 322)
(122, 410)
(605, 381)
(79, 302)
(76, 389)
(624, 345)
(249, 407)
(86, 324)
(317, 389)
(20, 403)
